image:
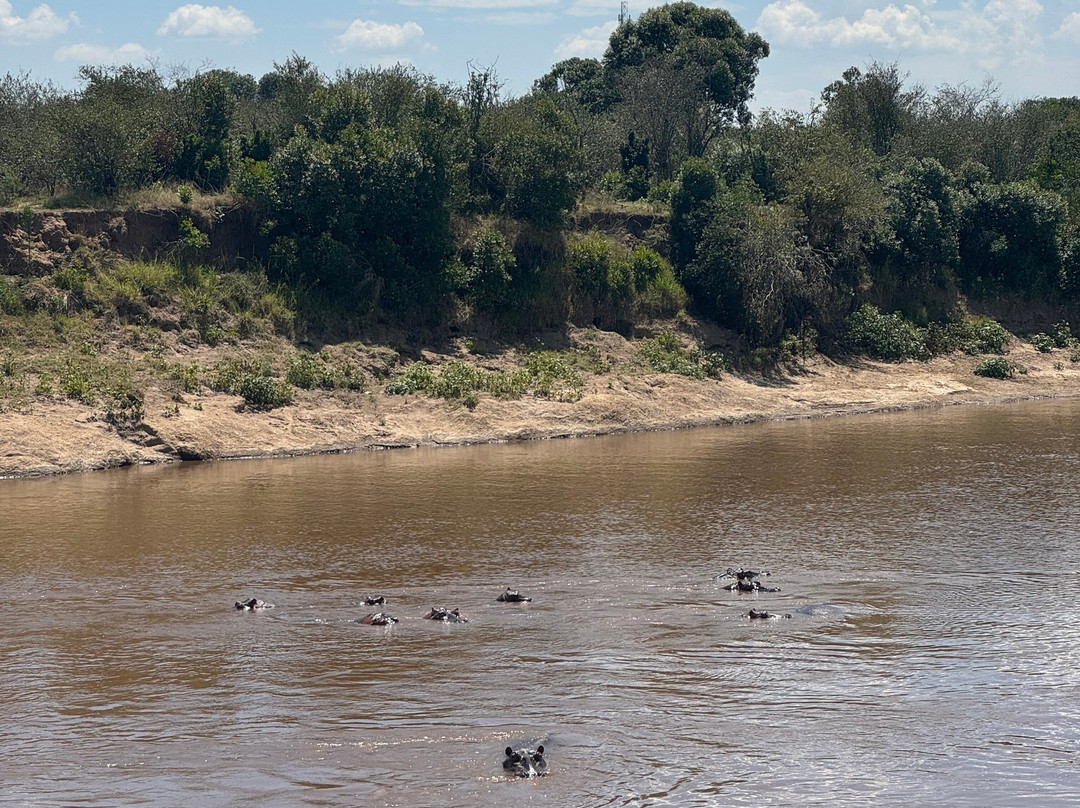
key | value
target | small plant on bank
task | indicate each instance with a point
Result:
(1063, 337)
(1043, 343)
(185, 193)
(253, 379)
(262, 393)
(996, 367)
(885, 336)
(665, 354)
(310, 371)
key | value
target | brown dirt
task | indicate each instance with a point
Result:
(61, 436)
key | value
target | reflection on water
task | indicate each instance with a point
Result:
(929, 562)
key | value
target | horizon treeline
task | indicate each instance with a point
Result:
(384, 193)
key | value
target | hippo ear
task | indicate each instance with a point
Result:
(540, 749)
(509, 751)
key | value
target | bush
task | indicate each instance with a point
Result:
(1043, 343)
(416, 378)
(885, 336)
(1062, 335)
(978, 335)
(996, 367)
(263, 393)
(665, 354)
(10, 300)
(185, 192)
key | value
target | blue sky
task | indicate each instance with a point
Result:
(1029, 48)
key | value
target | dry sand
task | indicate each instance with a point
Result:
(61, 436)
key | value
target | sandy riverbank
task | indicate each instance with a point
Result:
(60, 436)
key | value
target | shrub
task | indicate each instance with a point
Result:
(416, 378)
(978, 335)
(185, 192)
(10, 300)
(186, 377)
(996, 367)
(1062, 335)
(885, 336)
(665, 354)
(263, 393)
(1043, 343)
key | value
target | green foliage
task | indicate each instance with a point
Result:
(885, 336)
(546, 373)
(996, 367)
(1043, 343)
(665, 354)
(10, 299)
(417, 377)
(192, 239)
(186, 376)
(185, 193)
(311, 371)
(977, 335)
(261, 393)
(252, 379)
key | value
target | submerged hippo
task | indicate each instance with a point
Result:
(379, 601)
(512, 596)
(525, 762)
(253, 605)
(439, 613)
(378, 619)
(747, 585)
(761, 614)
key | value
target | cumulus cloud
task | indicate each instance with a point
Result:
(41, 23)
(209, 21)
(590, 43)
(1003, 30)
(87, 54)
(1070, 28)
(794, 22)
(378, 36)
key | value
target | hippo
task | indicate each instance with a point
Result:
(379, 601)
(525, 762)
(745, 585)
(512, 596)
(253, 605)
(740, 574)
(761, 614)
(378, 619)
(440, 613)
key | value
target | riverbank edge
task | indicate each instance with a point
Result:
(61, 437)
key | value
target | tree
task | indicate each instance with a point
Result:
(871, 108)
(686, 69)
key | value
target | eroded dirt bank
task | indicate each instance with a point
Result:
(61, 436)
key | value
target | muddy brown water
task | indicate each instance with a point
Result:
(929, 562)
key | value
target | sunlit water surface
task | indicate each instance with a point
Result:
(929, 562)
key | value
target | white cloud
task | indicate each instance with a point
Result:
(1070, 28)
(590, 43)
(85, 53)
(1003, 30)
(377, 36)
(209, 21)
(41, 23)
(794, 22)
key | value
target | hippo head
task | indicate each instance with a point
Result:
(525, 762)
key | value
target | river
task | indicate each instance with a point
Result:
(929, 562)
